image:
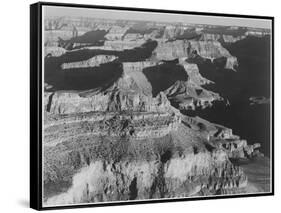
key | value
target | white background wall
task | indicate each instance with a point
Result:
(14, 106)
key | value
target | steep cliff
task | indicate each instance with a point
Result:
(119, 97)
(221, 37)
(116, 33)
(101, 168)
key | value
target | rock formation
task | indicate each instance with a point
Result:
(181, 162)
(222, 37)
(54, 51)
(92, 62)
(116, 33)
(170, 50)
(188, 95)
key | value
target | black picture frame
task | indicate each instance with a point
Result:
(36, 104)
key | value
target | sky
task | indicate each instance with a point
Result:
(152, 16)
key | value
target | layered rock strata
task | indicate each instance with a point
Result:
(185, 48)
(92, 62)
(54, 51)
(69, 102)
(165, 166)
(222, 37)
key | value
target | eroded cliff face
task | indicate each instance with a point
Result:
(104, 168)
(137, 153)
(188, 95)
(54, 51)
(170, 50)
(100, 181)
(222, 37)
(119, 45)
(116, 33)
(113, 99)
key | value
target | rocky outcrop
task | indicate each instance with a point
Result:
(54, 51)
(134, 71)
(171, 32)
(92, 62)
(258, 32)
(213, 50)
(133, 36)
(171, 50)
(193, 73)
(238, 149)
(122, 95)
(52, 37)
(188, 95)
(259, 100)
(116, 33)
(119, 45)
(221, 137)
(221, 37)
(69, 102)
(59, 129)
(131, 67)
(206, 49)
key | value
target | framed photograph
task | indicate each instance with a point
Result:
(133, 105)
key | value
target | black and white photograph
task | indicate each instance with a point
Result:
(154, 106)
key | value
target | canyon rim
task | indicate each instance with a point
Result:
(139, 107)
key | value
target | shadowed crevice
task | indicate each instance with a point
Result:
(133, 189)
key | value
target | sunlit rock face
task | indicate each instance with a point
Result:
(92, 62)
(161, 166)
(170, 50)
(171, 32)
(65, 103)
(187, 95)
(54, 51)
(119, 45)
(222, 37)
(193, 73)
(114, 97)
(172, 174)
(116, 33)
(209, 49)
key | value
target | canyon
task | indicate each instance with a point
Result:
(115, 97)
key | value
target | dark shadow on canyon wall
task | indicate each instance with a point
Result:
(251, 122)
(86, 78)
(92, 38)
(164, 75)
(92, 77)
(140, 30)
(132, 55)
